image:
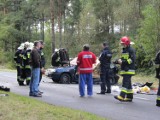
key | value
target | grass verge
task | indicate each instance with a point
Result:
(15, 107)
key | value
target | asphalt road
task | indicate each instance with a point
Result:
(142, 108)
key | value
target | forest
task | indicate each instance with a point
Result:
(71, 23)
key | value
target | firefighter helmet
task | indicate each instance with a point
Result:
(21, 47)
(125, 40)
(26, 44)
(31, 45)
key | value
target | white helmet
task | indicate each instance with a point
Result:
(26, 44)
(56, 50)
(31, 45)
(21, 47)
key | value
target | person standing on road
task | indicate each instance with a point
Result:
(157, 62)
(85, 61)
(105, 61)
(43, 61)
(35, 64)
(127, 62)
(18, 59)
(27, 62)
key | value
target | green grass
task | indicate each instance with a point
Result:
(15, 107)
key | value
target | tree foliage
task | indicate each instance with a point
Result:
(72, 23)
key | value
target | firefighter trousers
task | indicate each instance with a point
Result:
(18, 74)
(158, 95)
(126, 91)
(28, 75)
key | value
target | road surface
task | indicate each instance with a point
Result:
(142, 108)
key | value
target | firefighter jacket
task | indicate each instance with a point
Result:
(85, 61)
(17, 57)
(105, 58)
(23, 58)
(26, 58)
(128, 61)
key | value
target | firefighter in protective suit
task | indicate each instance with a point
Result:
(157, 62)
(18, 59)
(27, 66)
(23, 64)
(127, 62)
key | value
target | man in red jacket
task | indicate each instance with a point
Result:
(85, 61)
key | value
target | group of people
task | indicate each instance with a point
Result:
(86, 59)
(30, 63)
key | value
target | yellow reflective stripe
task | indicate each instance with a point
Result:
(18, 65)
(129, 61)
(28, 54)
(28, 78)
(157, 65)
(24, 57)
(129, 72)
(27, 66)
(125, 56)
(158, 97)
(21, 79)
(129, 91)
(124, 90)
(21, 66)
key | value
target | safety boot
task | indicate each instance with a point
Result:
(129, 97)
(158, 103)
(127, 100)
(118, 97)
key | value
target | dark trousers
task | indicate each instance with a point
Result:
(28, 75)
(40, 78)
(104, 76)
(126, 83)
(126, 91)
(18, 74)
(158, 94)
(23, 75)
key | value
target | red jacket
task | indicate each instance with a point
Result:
(85, 61)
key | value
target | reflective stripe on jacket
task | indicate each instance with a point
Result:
(128, 61)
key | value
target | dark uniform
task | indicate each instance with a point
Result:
(157, 62)
(17, 59)
(105, 60)
(23, 74)
(127, 70)
(27, 66)
(43, 62)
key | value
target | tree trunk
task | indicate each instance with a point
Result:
(52, 24)
(60, 22)
(42, 28)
